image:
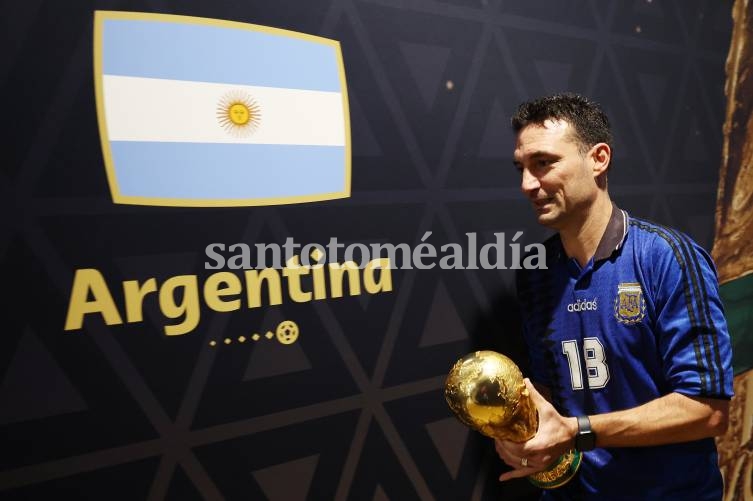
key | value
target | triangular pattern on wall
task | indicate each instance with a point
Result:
(555, 76)
(288, 481)
(444, 324)
(426, 64)
(449, 437)
(35, 386)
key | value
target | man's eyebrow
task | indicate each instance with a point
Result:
(534, 155)
(542, 153)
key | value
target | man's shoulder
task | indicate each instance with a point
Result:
(654, 238)
(665, 247)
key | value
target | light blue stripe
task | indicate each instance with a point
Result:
(226, 171)
(157, 49)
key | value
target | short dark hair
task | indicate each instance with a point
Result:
(587, 118)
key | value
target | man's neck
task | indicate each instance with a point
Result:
(580, 242)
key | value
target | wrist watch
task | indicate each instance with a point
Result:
(585, 439)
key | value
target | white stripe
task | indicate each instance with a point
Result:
(624, 229)
(153, 109)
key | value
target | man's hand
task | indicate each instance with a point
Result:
(553, 438)
(669, 419)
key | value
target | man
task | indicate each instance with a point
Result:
(625, 328)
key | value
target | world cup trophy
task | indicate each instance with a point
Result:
(485, 390)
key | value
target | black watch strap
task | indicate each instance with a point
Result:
(585, 439)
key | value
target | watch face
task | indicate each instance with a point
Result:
(585, 441)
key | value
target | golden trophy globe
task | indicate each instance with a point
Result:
(485, 391)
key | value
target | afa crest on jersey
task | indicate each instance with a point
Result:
(629, 305)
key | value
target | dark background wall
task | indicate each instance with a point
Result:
(354, 409)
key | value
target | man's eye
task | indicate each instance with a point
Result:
(544, 162)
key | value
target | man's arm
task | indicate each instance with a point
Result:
(668, 419)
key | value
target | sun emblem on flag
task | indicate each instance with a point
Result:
(238, 113)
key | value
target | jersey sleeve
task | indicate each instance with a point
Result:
(691, 329)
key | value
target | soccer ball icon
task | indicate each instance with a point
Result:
(287, 332)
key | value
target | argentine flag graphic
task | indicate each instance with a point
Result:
(203, 112)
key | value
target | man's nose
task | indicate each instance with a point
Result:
(529, 182)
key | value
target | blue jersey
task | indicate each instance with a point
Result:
(642, 319)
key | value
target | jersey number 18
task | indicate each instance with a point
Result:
(593, 354)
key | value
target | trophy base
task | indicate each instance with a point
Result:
(559, 473)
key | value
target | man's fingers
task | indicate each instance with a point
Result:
(509, 458)
(514, 457)
(509, 447)
(524, 458)
(535, 395)
(515, 474)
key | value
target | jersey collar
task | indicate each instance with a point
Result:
(614, 235)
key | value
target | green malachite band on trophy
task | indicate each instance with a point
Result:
(559, 473)
(737, 296)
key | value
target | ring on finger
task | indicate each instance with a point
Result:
(523, 462)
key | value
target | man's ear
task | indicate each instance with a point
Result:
(601, 156)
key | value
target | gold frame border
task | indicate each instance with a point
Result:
(100, 16)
